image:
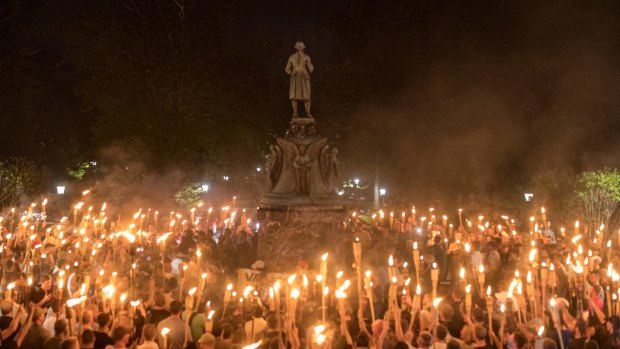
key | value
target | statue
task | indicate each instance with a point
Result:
(299, 68)
(274, 165)
(329, 166)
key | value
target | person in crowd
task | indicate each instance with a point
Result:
(37, 335)
(60, 333)
(87, 339)
(179, 334)
(149, 334)
(102, 338)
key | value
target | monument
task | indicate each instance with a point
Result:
(301, 212)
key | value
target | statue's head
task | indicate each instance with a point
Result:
(299, 45)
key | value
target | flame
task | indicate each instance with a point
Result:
(254, 345)
(436, 302)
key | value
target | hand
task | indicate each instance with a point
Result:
(47, 298)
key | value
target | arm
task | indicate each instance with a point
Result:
(495, 340)
(13, 326)
(568, 319)
(361, 322)
(294, 337)
(397, 326)
(309, 65)
(22, 333)
(289, 67)
(597, 311)
(386, 328)
(45, 299)
(343, 327)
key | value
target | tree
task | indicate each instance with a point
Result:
(598, 196)
(189, 195)
(18, 177)
(555, 190)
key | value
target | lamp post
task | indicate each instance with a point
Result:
(60, 189)
(225, 178)
(205, 190)
(382, 192)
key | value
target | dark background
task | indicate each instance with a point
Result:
(444, 98)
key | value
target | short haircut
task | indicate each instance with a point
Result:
(103, 319)
(401, 345)
(441, 332)
(87, 317)
(159, 299)
(118, 333)
(477, 314)
(549, 343)
(362, 340)
(520, 339)
(453, 344)
(175, 307)
(227, 331)
(149, 331)
(480, 332)
(69, 343)
(87, 337)
(425, 339)
(447, 311)
(60, 326)
(207, 339)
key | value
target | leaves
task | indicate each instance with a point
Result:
(18, 177)
(598, 195)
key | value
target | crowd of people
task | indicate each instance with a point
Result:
(169, 282)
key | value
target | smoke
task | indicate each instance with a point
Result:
(510, 92)
(127, 182)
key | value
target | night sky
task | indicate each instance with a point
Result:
(444, 97)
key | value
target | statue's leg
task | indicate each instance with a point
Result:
(294, 104)
(307, 105)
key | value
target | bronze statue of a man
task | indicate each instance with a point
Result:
(299, 68)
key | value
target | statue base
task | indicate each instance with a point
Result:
(299, 233)
(301, 216)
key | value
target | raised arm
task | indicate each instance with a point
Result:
(343, 327)
(13, 326)
(22, 333)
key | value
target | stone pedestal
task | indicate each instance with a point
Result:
(301, 214)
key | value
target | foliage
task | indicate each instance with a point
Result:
(555, 190)
(189, 195)
(79, 170)
(598, 196)
(18, 177)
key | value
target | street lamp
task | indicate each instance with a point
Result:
(258, 169)
(357, 182)
(60, 189)
(225, 178)
(382, 192)
(205, 188)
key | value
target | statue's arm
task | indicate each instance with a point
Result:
(309, 64)
(289, 67)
